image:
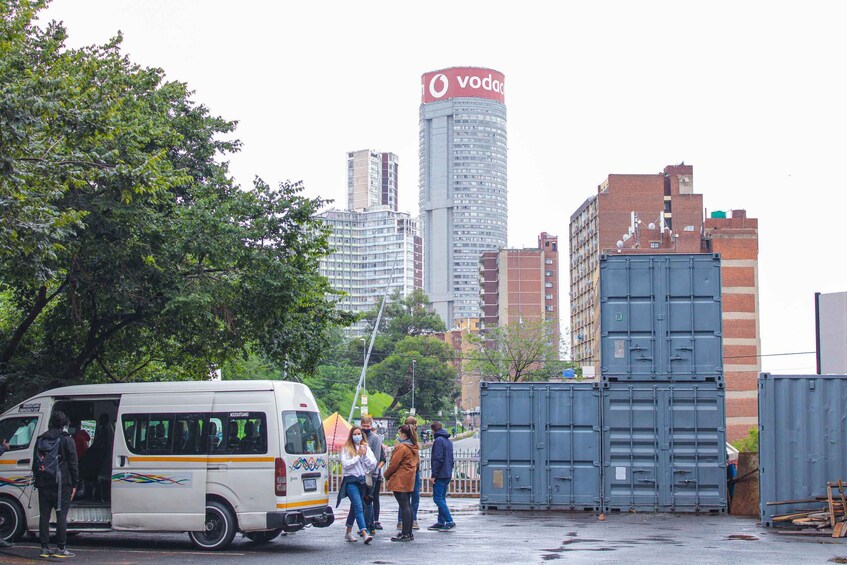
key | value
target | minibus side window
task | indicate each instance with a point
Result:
(18, 431)
(304, 433)
(160, 433)
(191, 436)
(241, 432)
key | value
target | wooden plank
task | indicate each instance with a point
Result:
(836, 531)
(843, 497)
(803, 532)
(829, 499)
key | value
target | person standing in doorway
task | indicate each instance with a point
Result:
(372, 497)
(55, 474)
(442, 473)
(400, 478)
(412, 422)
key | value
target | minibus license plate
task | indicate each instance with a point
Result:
(310, 484)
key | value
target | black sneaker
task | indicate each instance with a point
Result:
(402, 538)
(46, 553)
(377, 526)
(63, 554)
(447, 527)
(436, 527)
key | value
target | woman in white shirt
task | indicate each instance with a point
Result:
(357, 462)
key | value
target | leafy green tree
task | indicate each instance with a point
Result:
(127, 252)
(402, 317)
(520, 351)
(434, 379)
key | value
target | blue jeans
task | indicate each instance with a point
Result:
(356, 506)
(416, 499)
(439, 497)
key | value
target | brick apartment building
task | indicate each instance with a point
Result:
(660, 213)
(521, 284)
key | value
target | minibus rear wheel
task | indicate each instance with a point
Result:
(263, 537)
(12, 521)
(219, 527)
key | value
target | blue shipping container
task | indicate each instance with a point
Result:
(540, 446)
(660, 318)
(664, 447)
(802, 439)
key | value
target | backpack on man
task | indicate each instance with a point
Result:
(48, 468)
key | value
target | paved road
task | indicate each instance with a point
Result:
(499, 537)
(467, 443)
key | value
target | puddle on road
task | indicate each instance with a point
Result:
(742, 537)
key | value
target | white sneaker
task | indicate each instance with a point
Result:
(350, 537)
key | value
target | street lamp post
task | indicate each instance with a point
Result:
(364, 360)
(413, 386)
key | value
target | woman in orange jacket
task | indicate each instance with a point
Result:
(400, 477)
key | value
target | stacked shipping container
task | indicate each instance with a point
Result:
(651, 436)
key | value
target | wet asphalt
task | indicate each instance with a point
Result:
(482, 537)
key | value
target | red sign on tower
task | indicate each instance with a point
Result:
(463, 82)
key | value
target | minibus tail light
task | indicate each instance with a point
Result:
(280, 477)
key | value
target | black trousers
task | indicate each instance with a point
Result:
(48, 499)
(404, 499)
(376, 489)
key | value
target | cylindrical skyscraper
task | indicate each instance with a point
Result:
(462, 183)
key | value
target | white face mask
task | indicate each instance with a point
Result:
(357, 438)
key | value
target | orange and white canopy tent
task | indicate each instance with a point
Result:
(336, 430)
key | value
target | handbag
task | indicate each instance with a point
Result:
(369, 481)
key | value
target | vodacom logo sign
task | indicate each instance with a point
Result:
(463, 82)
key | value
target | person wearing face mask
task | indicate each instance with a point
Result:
(357, 461)
(400, 478)
(372, 498)
(412, 422)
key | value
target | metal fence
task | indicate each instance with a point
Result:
(465, 483)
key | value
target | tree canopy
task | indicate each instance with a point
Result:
(519, 351)
(126, 250)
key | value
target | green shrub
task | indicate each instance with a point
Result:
(750, 443)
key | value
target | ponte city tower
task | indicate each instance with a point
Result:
(463, 195)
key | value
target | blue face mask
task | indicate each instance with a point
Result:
(357, 438)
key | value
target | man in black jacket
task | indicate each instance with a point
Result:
(56, 485)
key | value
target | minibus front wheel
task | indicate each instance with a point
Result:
(219, 527)
(12, 520)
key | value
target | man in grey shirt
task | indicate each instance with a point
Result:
(372, 498)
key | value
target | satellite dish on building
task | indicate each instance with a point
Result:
(626, 236)
(619, 244)
(651, 226)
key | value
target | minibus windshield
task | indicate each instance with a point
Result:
(304, 433)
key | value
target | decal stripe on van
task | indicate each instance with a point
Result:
(178, 458)
(319, 502)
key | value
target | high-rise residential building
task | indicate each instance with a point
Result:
(463, 191)
(376, 251)
(661, 214)
(371, 179)
(521, 284)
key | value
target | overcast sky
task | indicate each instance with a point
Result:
(752, 94)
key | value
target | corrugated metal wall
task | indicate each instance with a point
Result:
(802, 439)
(540, 446)
(660, 317)
(664, 447)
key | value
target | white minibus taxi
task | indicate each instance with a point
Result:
(207, 458)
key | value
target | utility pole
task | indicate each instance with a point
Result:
(413, 386)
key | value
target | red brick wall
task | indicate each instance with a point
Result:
(738, 276)
(743, 329)
(738, 302)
